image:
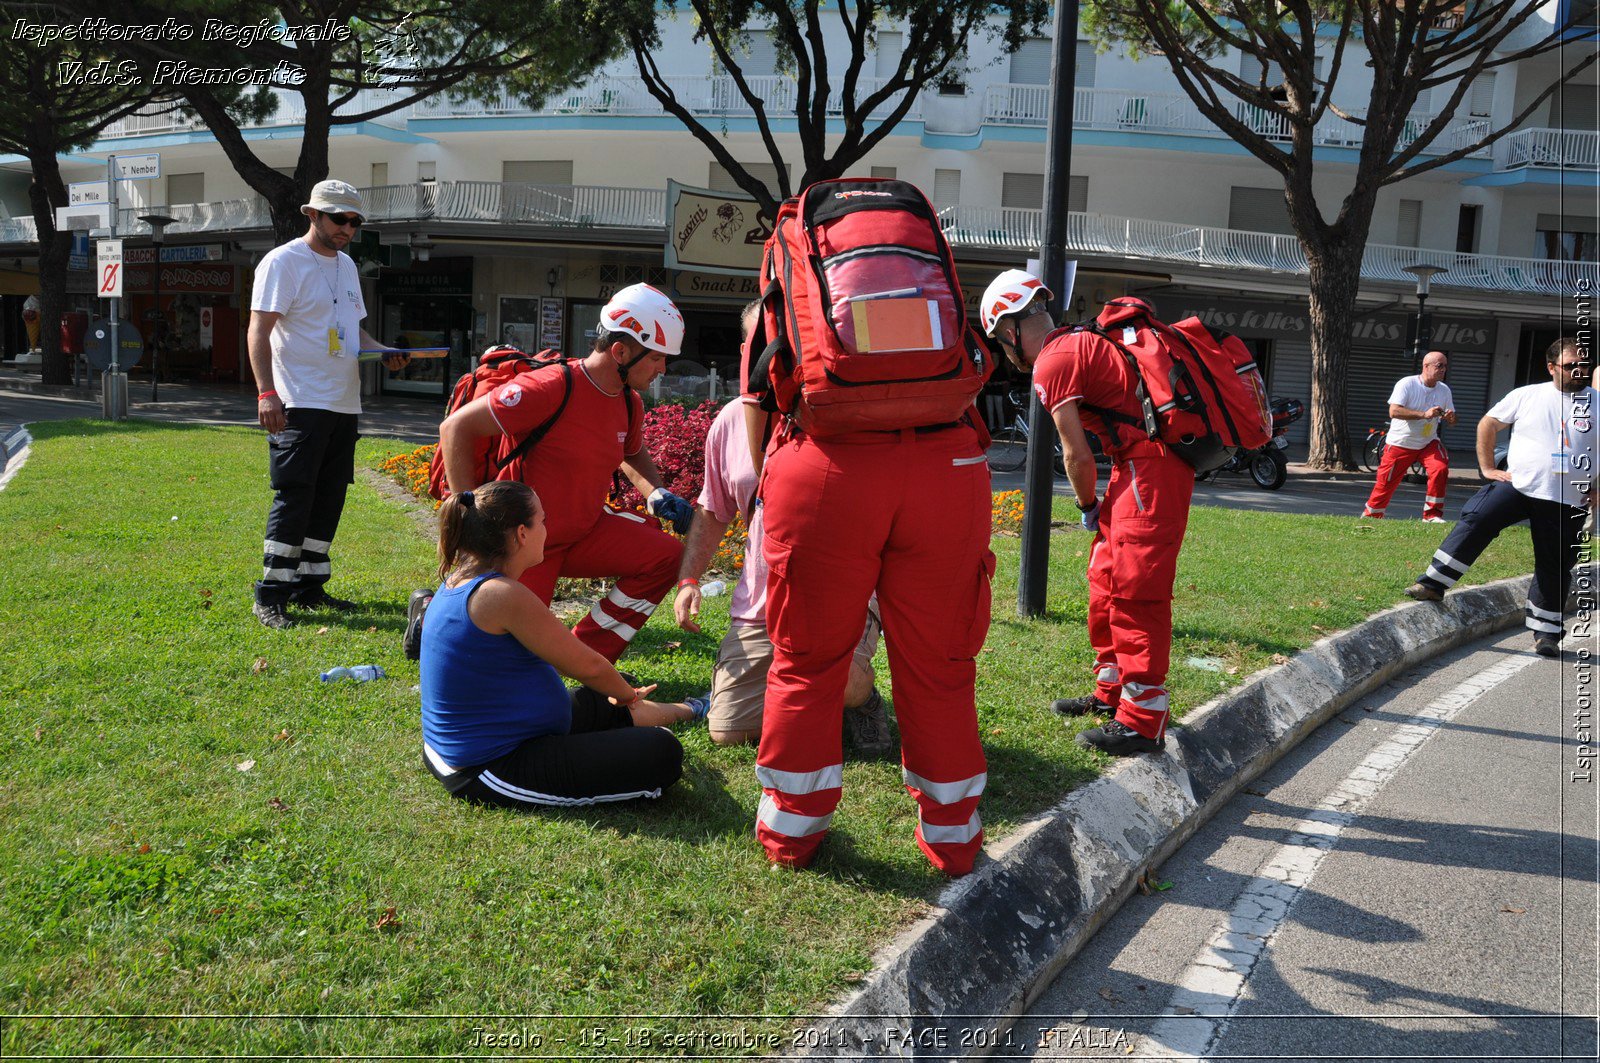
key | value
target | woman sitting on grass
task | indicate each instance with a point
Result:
(498, 725)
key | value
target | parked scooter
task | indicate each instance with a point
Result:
(1267, 465)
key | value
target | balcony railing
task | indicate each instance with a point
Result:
(1122, 110)
(291, 112)
(709, 96)
(636, 211)
(1208, 246)
(1556, 148)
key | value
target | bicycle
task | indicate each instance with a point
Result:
(1009, 450)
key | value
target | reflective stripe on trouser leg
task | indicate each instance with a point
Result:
(644, 561)
(947, 812)
(1542, 621)
(279, 562)
(314, 568)
(1438, 467)
(1494, 508)
(1145, 709)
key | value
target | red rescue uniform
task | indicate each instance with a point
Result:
(571, 469)
(1397, 461)
(906, 514)
(1133, 560)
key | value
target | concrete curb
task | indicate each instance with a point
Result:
(14, 444)
(951, 985)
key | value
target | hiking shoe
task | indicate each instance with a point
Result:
(1421, 592)
(321, 599)
(1434, 520)
(272, 615)
(868, 725)
(700, 706)
(1547, 645)
(411, 641)
(1119, 740)
(1087, 705)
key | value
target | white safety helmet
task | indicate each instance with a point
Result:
(647, 315)
(1011, 291)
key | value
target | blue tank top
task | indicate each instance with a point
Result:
(483, 695)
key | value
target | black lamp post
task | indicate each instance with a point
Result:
(158, 234)
(1424, 331)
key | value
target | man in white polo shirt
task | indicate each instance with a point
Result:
(1417, 407)
(305, 337)
(1549, 481)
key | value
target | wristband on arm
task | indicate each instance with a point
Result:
(689, 582)
(266, 395)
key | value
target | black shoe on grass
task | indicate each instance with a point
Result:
(1119, 740)
(272, 615)
(411, 642)
(321, 599)
(1421, 592)
(1087, 705)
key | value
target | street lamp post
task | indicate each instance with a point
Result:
(1424, 331)
(158, 234)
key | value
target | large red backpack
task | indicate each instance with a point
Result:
(1200, 389)
(863, 326)
(496, 366)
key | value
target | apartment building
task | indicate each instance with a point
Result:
(500, 221)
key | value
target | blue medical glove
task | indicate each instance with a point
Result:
(668, 506)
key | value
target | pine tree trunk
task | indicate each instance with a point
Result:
(45, 194)
(1335, 280)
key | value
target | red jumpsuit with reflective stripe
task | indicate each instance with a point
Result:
(1397, 461)
(906, 514)
(1133, 560)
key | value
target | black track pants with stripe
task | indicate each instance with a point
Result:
(1556, 528)
(311, 463)
(603, 758)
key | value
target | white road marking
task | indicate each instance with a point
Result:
(1208, 991)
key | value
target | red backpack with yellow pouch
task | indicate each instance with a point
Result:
(863, 327)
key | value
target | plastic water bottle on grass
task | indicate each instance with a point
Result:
(361, 673)
(712, 589)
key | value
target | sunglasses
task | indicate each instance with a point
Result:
(352, 220)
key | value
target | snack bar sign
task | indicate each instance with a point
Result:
(108, 268)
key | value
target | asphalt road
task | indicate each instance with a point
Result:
(1418, 879)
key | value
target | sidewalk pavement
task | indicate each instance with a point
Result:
(951, 985)
(24, 399)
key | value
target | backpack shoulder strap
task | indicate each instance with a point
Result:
(1150, 423)
(540, 432)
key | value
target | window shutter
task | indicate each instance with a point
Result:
(1078, 193)
(539, 172)
(1408, 233)
(1030, 64)
(1577, 110)
(380, 174)
(186, 188)
(1022, 191)
(887, 57)
(1083, 75)
(888, 173)
(1480, 98)
(1258, 210)
(946, 188)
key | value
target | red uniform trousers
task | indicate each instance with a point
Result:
(908, 515)
(1396, 461)
(1132, 564)
(628, 547)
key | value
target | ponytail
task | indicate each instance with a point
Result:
(479, 523)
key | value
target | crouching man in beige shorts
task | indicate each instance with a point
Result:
(739, 684)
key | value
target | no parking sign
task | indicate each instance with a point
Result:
(108, 268)
(205, 326)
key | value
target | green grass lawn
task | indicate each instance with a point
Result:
(193, 824)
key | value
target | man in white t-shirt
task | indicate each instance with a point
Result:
(1549, 481)
(1417, 407)
(304, 339)
(739, 683)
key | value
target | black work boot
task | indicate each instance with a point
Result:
(1087, 705)
(868, 726)
(272, 614)
(319, 598)
(1119, 740)
(1547, 645)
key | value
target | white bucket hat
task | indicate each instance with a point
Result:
(336, 197)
